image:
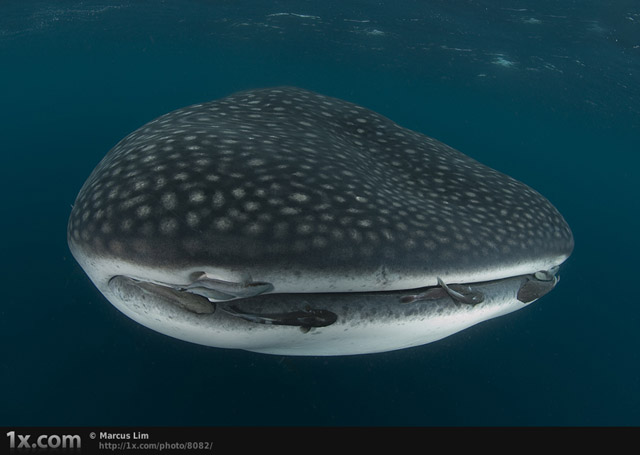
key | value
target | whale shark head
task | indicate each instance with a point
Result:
(284, 221)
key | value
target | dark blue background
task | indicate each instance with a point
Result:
(563, 116)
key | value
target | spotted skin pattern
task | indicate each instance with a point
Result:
(288, 179)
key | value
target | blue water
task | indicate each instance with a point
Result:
(545, 91)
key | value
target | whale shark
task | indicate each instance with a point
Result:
(287, 222)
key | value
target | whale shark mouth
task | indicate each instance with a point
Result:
(253, 303)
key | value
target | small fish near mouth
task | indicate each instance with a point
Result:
(538, 285)
(314, 311)
(535, 286)
(130, 289)
(305, 318)
(459, 293)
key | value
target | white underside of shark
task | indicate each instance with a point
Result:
(367, 322)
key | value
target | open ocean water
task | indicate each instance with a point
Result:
(545, 91)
